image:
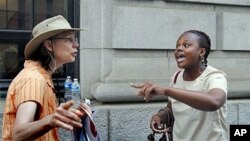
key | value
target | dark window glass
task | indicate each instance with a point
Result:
(18, 17)
(49, 8)
(15, 14)
(23, 14)
(8, 60)
(3, 21)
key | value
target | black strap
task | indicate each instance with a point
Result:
(176, 76)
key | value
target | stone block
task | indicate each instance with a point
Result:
(90, 66)
(235, 68)
(130, 122)
(134, 69)
(235, 31)
(232, 112)
(101, 119)
(155, 28)
(244, 112)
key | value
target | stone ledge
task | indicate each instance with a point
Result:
(238, 89)
(117, 92)
(123, 92)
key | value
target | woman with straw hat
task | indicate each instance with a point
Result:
(31, 111)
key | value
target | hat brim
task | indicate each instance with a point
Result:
(34, 43)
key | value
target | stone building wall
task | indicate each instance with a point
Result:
(133, 41)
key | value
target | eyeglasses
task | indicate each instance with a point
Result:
(71, 40)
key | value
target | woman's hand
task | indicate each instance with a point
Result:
(85, 109)
(148, 90)
(156, 124)
(65, 117)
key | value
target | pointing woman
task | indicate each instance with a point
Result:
(197, 94)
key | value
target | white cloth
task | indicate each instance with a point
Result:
(195, 125)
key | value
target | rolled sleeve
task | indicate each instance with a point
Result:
(31, 89)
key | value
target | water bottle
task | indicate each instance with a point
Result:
(76, 92)
(67, 87)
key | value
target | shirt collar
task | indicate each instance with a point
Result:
(37, 66)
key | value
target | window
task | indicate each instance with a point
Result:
(8, 60)
(24, 14)
(18, 17)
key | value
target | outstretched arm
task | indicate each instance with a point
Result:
(211, 101)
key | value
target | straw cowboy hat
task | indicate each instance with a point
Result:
(46, 29)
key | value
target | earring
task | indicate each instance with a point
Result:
(203, 63)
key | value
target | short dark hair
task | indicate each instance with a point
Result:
(204, 42)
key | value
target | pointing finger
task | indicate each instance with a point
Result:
(136, 85)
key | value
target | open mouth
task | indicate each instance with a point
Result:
(180, 57)
(74, 53)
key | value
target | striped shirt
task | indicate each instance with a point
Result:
(33, 83)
